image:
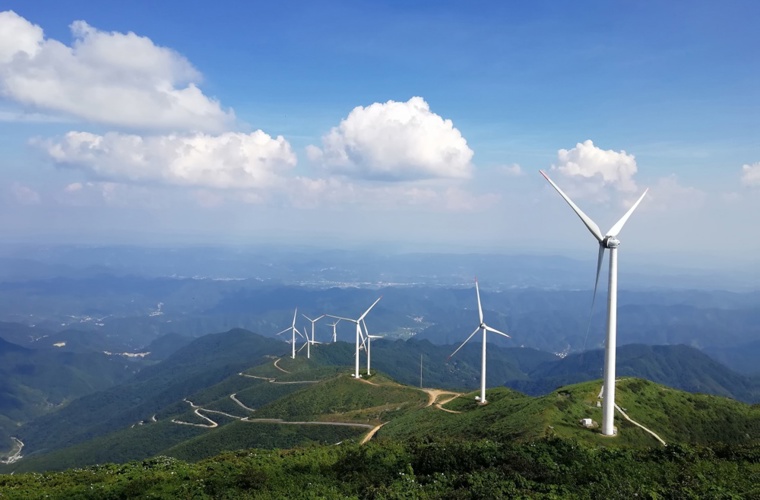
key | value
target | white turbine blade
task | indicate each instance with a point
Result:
(370, 308)
(304, 345)
(494, 330)
(596, 286)
(619, 224)
(319, 317)
(285, 330)
(361, 334)
(480, 308)
(598, 270)
(344, 319)
(305, 316)
(465, 341)
(294, 317)
(299, 333)
(590, 224)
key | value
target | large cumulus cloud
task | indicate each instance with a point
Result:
(118, 79)
(226, 161)
(611, 168)
(395, 141)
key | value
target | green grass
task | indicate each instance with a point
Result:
(341, 395)
(242, 435)
(678, 417)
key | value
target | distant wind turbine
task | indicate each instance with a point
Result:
(335, 331)
(369, 346)
(485, 328)
(311, 341)
(606, 241)
(292, 328)
(357, 322)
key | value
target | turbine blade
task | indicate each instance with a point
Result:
(319, 317)
(619, 224)
(285, 330)
(305, 316)
(599, 261)
(304, 345)
(494, 330)
(370, 308)
(294, 317)
(344, 319)
(480, 308)
(463, 343)
(590, 224)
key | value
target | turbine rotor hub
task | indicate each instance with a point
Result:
(611, 242)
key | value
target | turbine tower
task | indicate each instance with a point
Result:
(357, 322)
(312, 321)
(485, 328)
(292, 328)
(606, 241)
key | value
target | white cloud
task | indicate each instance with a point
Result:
(395, 141)
(227, 161)
(119, 79)
(669, 194)
(24, 194)
(605, 168)
(751, 175)
(513, 170)
(340, 193)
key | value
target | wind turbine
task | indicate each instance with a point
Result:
(294, 330)
(369, 345)
(335, 331)
(312, 321)
(485, 328)
(606, 241)
(357, 322)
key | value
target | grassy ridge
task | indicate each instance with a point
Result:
(242, 435)
(340, 395)
(676, 416)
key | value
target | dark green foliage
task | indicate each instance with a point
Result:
(545, 468)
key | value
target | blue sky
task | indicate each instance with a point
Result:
(409, 125)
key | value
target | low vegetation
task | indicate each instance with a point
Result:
(544, 468)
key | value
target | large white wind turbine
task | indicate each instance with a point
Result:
(485, 328)
(292, 328)
(357, 322)
(311, 341)
(610, 241)
(369, 346)
(335, 331)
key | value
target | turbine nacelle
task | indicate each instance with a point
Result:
(610, 242)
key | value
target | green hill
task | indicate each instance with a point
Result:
(676, 416)
(231, 390)
(34, 382)
(201, 364)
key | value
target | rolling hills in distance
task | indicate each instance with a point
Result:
(130, 342)
(136, 419)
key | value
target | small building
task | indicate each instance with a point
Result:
(587, 422)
